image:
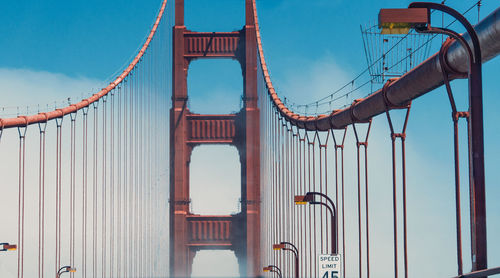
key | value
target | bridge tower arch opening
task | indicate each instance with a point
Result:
(215, 263)
(191, 233)
(220, 15)
(221, 90)
(215, 180)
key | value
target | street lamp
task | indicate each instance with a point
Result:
(283, 246)
(309, 199)
(400, 21)
(272, 268)
(8, 247)
(65, 269)
(415, 17)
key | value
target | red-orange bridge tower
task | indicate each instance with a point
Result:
(190, 233)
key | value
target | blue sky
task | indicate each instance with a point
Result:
(54, 49)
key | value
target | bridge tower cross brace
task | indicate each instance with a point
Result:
(190, 233)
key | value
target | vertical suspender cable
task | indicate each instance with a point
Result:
(401, 135)
(139, 117)
(130, 204)
(455, 117)
(367, 227)
(358, 146)
(324, 146)
(295, 191)
(119, 184)
(72, 190)
(394, 205)
(315, 236)
(142, 175)
(112, 185)
(359, 204)
(141, 172)
(316, 136)
(58, 191)
(125, 242)
(136, 173)
(303, 210)
(149, 168)
(104, 188)
(57, 241)
(405, 231)
(84, 193)
(280, 188)
(20, 219)
(145, 184)
(94, 193)
(131, 240)
(273, 186)
(277, 188)
(131, 182)
(325, 171)
(288, 191)
(300, 191)
(312, 238)
(41, 201)
(341, 147)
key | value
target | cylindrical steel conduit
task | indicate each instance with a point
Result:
(419, 81)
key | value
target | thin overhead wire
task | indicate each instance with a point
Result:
(335, 97)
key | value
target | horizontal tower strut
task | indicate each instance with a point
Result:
(212, 44)
(417, 82)
(210, 232)
(211, 129)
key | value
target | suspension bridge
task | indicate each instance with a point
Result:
(91, 177)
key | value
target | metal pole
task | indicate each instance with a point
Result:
(295, 251)
(476, 141)
(334, 234)
(333, 212)
(297, 265)
(276, 270)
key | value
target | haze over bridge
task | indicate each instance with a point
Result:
(109, 151)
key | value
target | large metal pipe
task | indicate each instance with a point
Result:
(417, 82)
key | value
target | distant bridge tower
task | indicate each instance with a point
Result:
(190, 233)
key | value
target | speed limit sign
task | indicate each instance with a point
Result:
(330, 266)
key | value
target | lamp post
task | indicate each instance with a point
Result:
(65, 269)
(8, 247)
(273, 268)
(309, 199)
(294, 250)
(417, 17)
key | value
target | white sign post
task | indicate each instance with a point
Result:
(330, 266)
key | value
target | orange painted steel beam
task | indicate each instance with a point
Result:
(212, 44)
(211, 129)
(58, 113)
(210, 246)
(209, 230)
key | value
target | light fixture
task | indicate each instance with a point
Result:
(400, 21)
(8, 247)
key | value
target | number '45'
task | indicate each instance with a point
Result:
(334, 275)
